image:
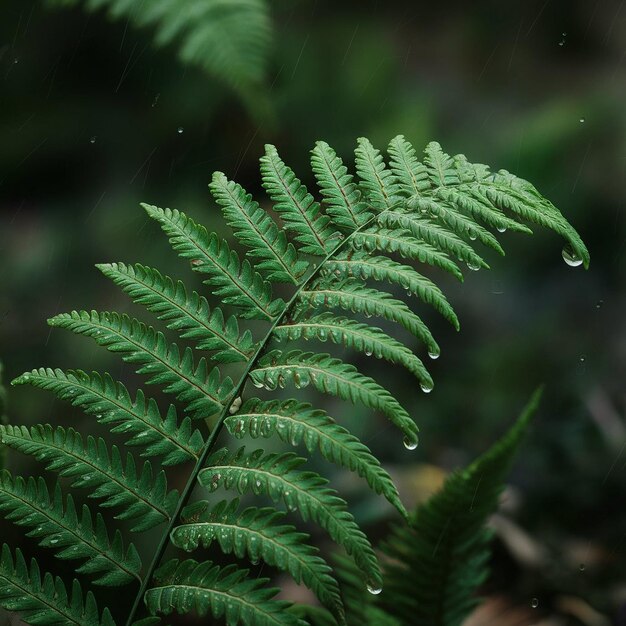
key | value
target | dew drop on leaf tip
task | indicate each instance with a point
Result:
(570, 257)
(93, 139)
(426, 387)
(409, 444)
(180, 130)
(534, 603)
(374, 589)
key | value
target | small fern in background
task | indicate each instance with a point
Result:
(383, 227)
(436, 562)
(229, 39)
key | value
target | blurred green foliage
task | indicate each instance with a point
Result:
(95, 119)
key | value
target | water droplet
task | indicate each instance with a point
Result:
(16, 61)
(258, 483)
(582, 120)
(472, 235)
(599, 304)
(570, 257)
(374, 589)
(93, 139)
(180, 130)
(534, 603)
(258, 384)
(473, 266)
(426, 387)
(434, 355)
(368, 352)
(409, 444)
(582, 358)
(581, 567)
(501, 229)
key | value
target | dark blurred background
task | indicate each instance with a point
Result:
(95, 119)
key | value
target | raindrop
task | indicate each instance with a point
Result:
(473, 266)
(581, 567)
(599, 304)
(562, 42)
(16, 61)
(258, 483)
(582, 120)
(501, 229)
(368, 352)
(534, 603)
(374, 589)
(582, 359)
(472, 235)
(434, 355)
(426, 387)
(570, 257)
(409, 444)
(180, 130)
(93, 139)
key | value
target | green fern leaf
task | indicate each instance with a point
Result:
(412, 176)
(111, 403)
(228, 39)
(188, 315)
(332, 376)
(235, 281)
(342, 197)
(224, 592)
(141, 496)
(367, 339)
(441, 557)
(433, 234)
(258, 534)
(377, 182)
(278, 476)
(365, 267)
(45, 600)
(297, 423)
(58, 527)
(352, 295)
(296, 206)
(256, 230)
(202, 390)
(400, 241)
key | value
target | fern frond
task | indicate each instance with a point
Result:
(296, 206)
(235, 281)
(367, 339)
(278, 476)
(45, 600)
(352, 295)
(433, 234)
(201, 389)
(58, 527)
(332, 376)
(256, 230)
(440, 558)
(224, 592)
(412, 176)
(111, 403)
(295, 423)
(190, 316)
(401, 242)
(377, 182)
(228, 39)
(142, 497)
(379, 268)
(259, 534)
(342, 197)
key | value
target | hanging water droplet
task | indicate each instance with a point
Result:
(258, 483)
(472, 235)
(534, 603)
(426, 387)
(582, 358)
(180, 130)
(570, 257)
(93, 139)
(501, 229)
(409, 444)
(473, 266)
(434, 355)
(374, 589)
(582, 120)
(368, 352)
(599, 304)
(581, 567)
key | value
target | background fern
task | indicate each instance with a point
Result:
(443, 205)
(230, 39)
